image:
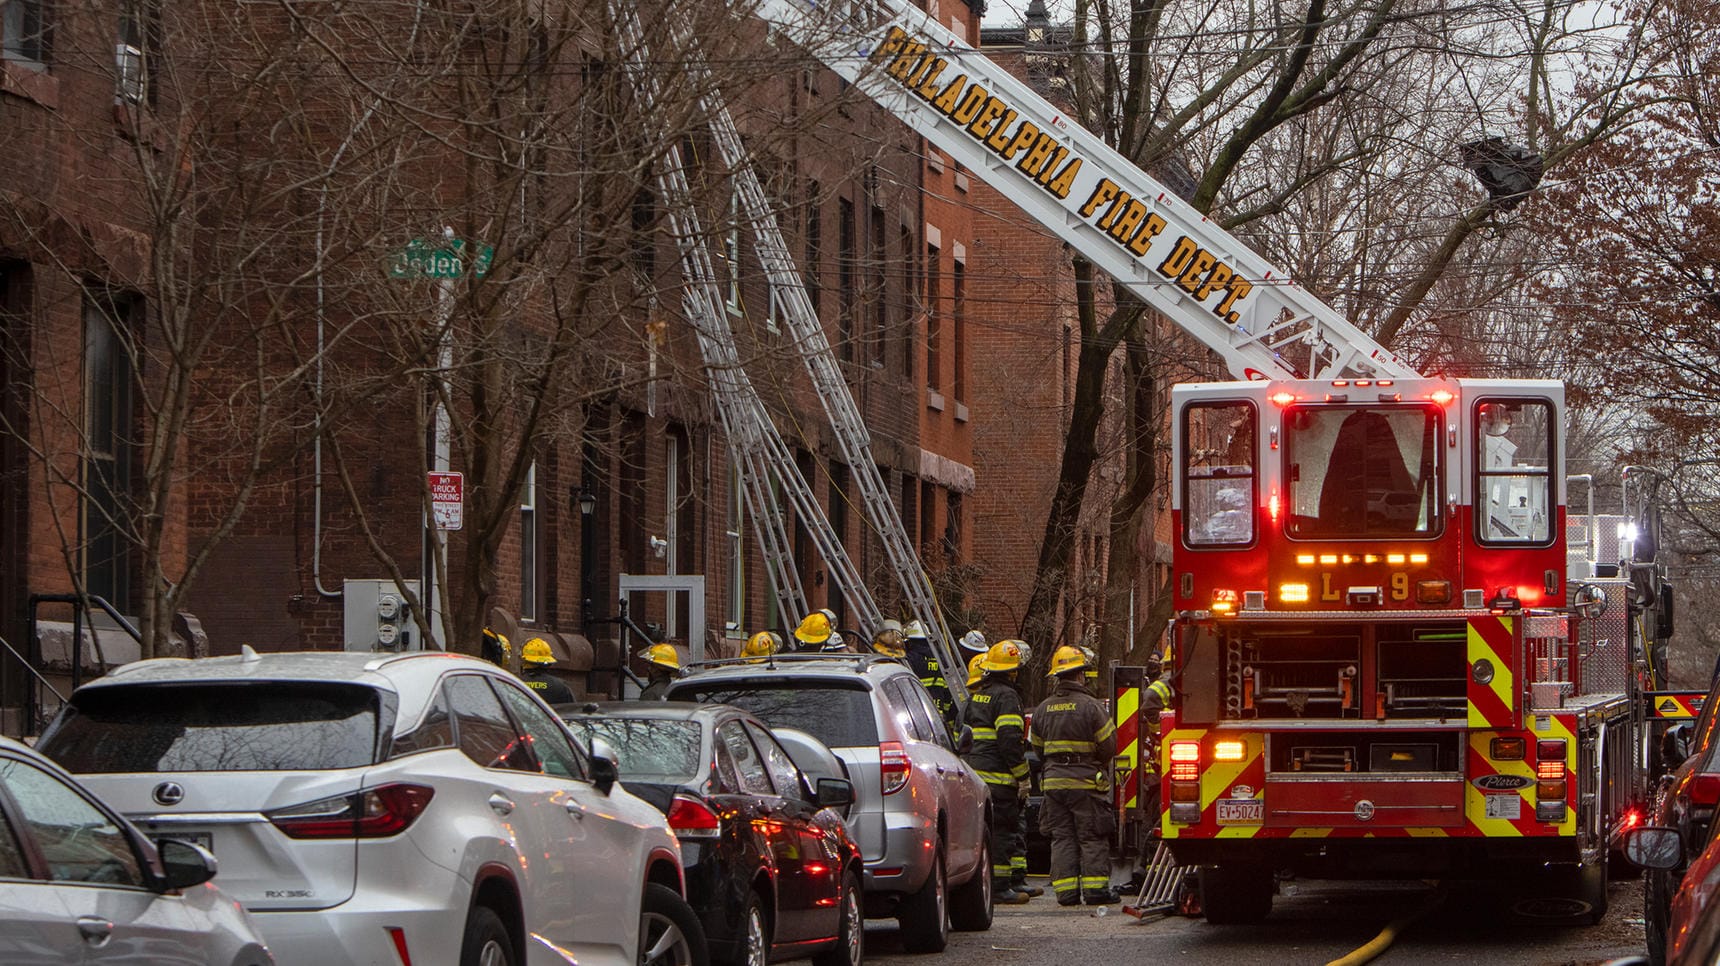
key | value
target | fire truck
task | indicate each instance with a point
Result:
(1383, 664)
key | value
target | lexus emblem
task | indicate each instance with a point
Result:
(1364, 810)
(168, 793)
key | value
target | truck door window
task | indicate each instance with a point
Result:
(1514, 450)
(1219, 473)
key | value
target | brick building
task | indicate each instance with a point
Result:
(628, 471)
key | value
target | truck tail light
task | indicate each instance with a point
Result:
(1704, 789)
(1230, 749)
(1506, 749)
(370, 814)
(1293, 593)
(1550, 791)
(693, 819)
(1550, 770)
(1550, 749)
(1224, 601)
(894, 766)
(1185, 761)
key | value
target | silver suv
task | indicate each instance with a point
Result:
(921, 815)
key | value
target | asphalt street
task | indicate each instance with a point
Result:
(1319, 923)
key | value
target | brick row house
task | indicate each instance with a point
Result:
(310, 419)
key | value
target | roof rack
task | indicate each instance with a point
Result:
(860, 662)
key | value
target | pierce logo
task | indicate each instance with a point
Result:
(1502, 783)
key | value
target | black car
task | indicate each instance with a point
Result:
(770, 867)
(1686, 801)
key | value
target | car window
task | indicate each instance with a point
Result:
(485, 732)
(905, 706)
(651, 749)
(749, 767)
(13, 865)
(838, 713)
(929, 720)
(435, 731)
(783, 774)
(725, 779)
(79, 842)
(249, 726)
(548, 739)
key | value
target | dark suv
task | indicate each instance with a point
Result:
(920, 814)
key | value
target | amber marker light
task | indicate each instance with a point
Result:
(1230, 749)
(1293, 593)
(1395, 558)
(1305, 559)
(1224, 601)
(1418, 558)
(1442, 396)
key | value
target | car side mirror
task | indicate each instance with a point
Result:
(964, 741)
(1652, 847)
(605, 765)
(184, 865)
(835, 793)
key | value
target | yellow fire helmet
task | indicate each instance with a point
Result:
(888, 642)
(815, 629)
(537, 651)
(1003, 656)
(662, 655)
(761, 645)
(1067, 659)
(974, 672)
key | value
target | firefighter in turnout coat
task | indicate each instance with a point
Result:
(999, 757)
(1076, 739)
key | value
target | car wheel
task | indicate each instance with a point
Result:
(925, 915)
(970, 902)
(1654, 917)
(754, 949)
(669, 932)
(1235, 895)
(850, 946)
(486, 942)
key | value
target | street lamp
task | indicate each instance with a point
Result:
(587, 503)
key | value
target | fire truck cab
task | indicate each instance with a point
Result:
(1379, 673)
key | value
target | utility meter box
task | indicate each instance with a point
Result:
(378, 617)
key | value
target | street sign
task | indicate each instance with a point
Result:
(447, 499)
(449, 260)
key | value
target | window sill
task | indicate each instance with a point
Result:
(961, 412)
(961, 181)
(934, 400)
(31, 84)
(137, 123)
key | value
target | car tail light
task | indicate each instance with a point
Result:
(370, 814)
(1704, 789)
(693, 819)
(894, 766)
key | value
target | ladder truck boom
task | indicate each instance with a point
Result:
(1136, 229)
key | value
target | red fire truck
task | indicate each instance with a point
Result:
(1383, 668)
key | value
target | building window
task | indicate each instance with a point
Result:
(958, 319)
(847, 279)
(953, 528)
(24, 32)
(108, 401)
(732, 251)
(529, 545)
(880, 270)
(814, 246)
(934, 335)
(135, 48)
(928, 517)
(910, 294)
(838, 602)
(737, 620)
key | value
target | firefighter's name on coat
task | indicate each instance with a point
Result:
(1063, 706)
(1124, 218)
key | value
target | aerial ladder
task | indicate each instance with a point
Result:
(758, 448)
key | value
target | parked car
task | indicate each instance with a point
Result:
(770, 867)
(1692, 936)
(920, 813)
(386, 808)
(1685, 801)
(81, 885)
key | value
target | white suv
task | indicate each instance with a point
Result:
(386, 809)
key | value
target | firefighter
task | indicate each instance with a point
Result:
(1075, 738)
(1000, 759)
(838, 643)
(815, 629)
(662, 666)
(537, 657)
(974, 673)
(931, 674)
(495, 648)
(760, 646)
(973, 642)
(888, 640)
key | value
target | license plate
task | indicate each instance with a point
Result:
(204, 839)
(1241, 811)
